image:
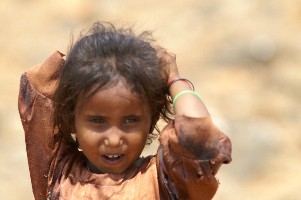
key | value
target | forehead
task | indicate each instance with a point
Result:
(118, 95)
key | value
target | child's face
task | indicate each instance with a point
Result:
(112, 128)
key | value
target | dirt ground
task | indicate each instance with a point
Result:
(243, 56)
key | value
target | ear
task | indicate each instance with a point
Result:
(73, 136)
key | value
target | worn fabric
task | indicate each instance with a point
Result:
(191, 152)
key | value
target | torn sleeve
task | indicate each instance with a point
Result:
(36, 107)
(192, 151)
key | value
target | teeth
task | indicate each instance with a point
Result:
(113, 156)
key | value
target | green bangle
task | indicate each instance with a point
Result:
(185, 92)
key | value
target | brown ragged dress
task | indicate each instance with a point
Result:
(191, 152)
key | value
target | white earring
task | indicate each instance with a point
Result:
(73, 136)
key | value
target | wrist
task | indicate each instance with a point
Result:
(178, 84)
(178, 87)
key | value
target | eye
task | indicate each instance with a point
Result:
(97, 120)
(131, 119)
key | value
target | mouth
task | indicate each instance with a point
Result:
(113, 158)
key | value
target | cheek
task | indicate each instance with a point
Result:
(139, 140)
(87, 140)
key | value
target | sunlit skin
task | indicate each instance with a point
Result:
(112, 128)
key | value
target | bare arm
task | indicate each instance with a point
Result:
(187, 104)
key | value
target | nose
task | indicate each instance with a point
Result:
(113, 137)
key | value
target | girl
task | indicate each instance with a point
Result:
(87, 119)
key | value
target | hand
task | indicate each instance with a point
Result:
(169, 60)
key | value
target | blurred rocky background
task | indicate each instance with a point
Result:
(243, 56)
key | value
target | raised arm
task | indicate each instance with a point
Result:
(193, 147)
(188, 104)
(36, 112)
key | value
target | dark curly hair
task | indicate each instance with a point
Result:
(98, 59)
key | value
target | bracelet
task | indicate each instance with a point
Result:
(180, 79)
(185, 92)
